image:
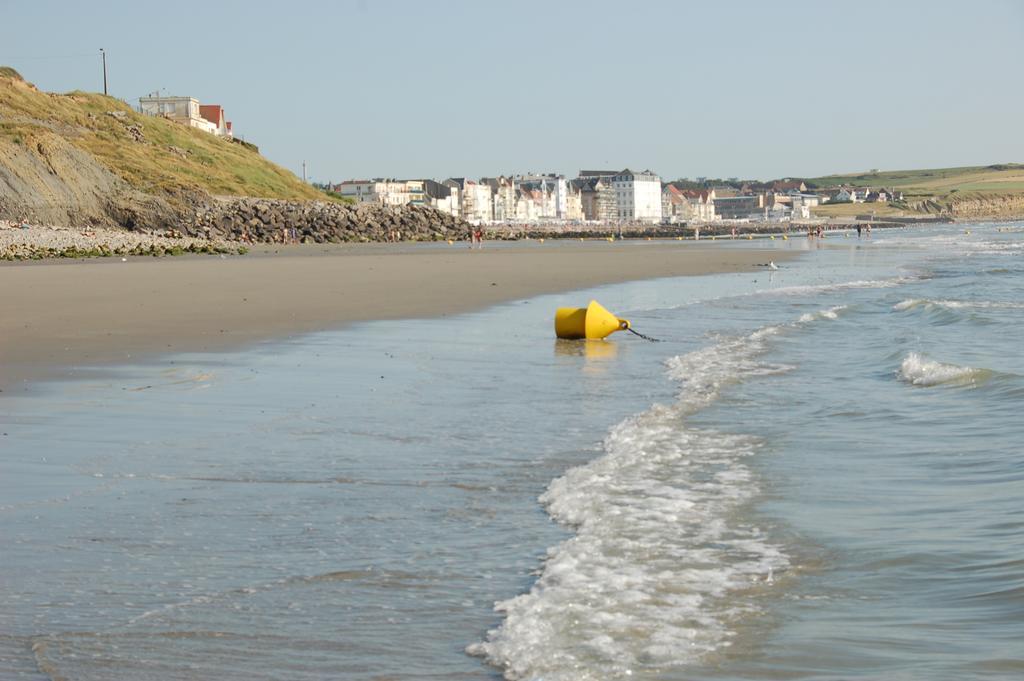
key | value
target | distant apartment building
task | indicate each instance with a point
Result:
(188, 111)
(441, 197)
(637, 195)
(597, 198)
(503, 197)
(381, 191)
(475, 198)
(741, 206)
(687, 205)
(528, 205)
(573, 203)
(803, 199)
(553, 194)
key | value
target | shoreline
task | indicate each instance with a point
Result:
(63, 318)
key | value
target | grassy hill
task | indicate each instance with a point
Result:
(152, 155)
(1002, 177)
(967, 190)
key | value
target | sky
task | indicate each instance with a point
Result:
(452, 88)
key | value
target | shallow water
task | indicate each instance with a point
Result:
(816, 475)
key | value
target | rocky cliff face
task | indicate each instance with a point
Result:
(988, 206)
(47, 180)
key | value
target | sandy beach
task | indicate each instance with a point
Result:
(58, 318)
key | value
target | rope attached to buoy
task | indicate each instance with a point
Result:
(653, 340)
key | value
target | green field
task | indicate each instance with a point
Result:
(1005, 177)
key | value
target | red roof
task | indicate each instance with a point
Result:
(677, 195)
(701, 194)
(213, 113)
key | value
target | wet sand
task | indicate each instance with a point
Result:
(60, 318)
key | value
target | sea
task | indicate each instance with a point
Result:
(816, 473)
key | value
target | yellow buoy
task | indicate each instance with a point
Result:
(773, 237)
(591, 322)
(540, 241)
(611, 239)
(450, 242)
(749, 237)
(785, 238)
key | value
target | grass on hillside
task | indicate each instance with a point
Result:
(1007, 177)
(210, 163)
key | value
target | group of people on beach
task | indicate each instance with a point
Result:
(476, 238)
(819, 231)
(17, 224)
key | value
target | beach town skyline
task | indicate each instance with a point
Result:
(395, 89)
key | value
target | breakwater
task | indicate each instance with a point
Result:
(281, 221)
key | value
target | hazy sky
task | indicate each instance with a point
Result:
(366, 88)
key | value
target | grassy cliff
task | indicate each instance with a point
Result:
(971, 191)
(54, 145)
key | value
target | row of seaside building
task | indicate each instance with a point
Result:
(595, 196)
(601, 196)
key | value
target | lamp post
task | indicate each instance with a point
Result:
(103, 55)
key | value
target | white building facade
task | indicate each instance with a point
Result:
(553, 197)
(637, 196)
(476, 206)
(379, 191)
(184, 110)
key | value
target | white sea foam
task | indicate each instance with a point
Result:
(912, 303)
(830, 313)
(663, 560)
(890, 282)
(921, 371)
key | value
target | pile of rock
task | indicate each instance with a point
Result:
(272, 220)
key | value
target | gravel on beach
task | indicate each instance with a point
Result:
(32, 242)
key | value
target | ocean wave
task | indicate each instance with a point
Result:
(663, 559)
(890, 282)
(921, 371)
(830, 313)
(912, 303)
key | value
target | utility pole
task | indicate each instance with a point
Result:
(103, 54)
(303, 171)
